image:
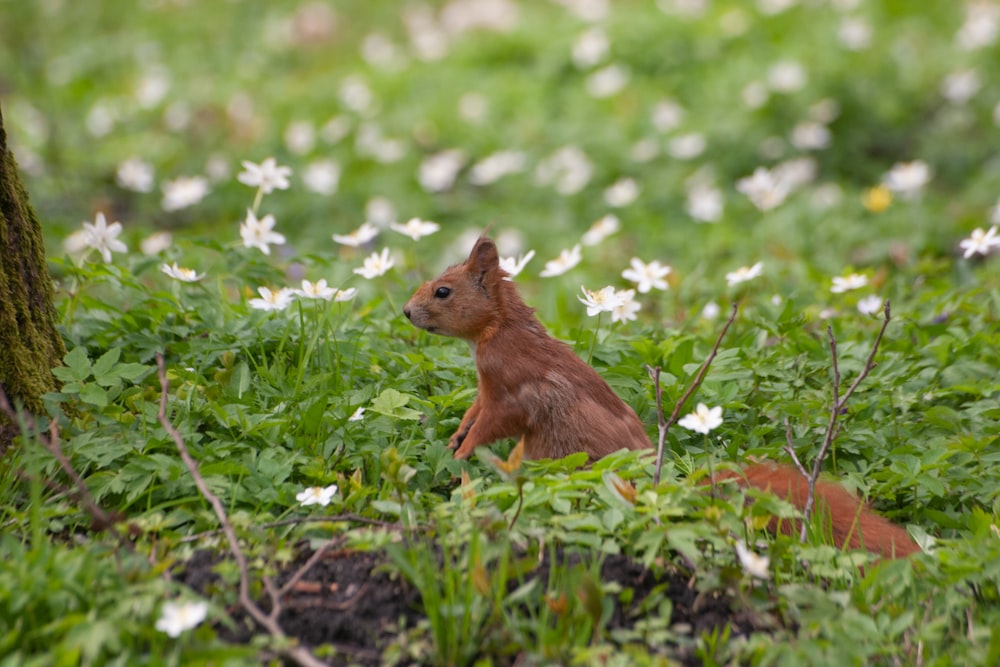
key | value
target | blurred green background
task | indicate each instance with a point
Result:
(670, 94)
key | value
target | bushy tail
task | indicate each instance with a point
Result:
(849, 521)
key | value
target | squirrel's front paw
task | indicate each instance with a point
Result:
(458, 437)
(463, 453)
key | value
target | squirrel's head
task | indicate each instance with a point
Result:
(465, 299)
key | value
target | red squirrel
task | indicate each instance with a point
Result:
(534, 387)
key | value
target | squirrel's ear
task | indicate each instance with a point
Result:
(483, 258)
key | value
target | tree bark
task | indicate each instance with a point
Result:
(30, 346)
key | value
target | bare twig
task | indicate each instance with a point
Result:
(839, 402)
(790, 448)
(100, 519)
(664, 425)
(301, 572)
(269, 622)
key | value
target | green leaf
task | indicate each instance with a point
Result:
(94, 395)
(391, 403)
(240, 382)
(106, 362)
(78, 364)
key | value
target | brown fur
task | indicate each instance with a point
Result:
(840, 512)
(535, 387)
(530, 384)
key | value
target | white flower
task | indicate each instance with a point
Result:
(415, 228)
(345, 294)
(981, 27)
(786, 76)
(647, 276)
(153, 87)
(316, 290)
(607, 81)
(687, 146)
(77, 242)
(272, 300)
(183, 192)
(753, 564)
(335, 129)
(322, 176)
(667, 115)
(622, 192)
(754, 95)
(376, 265)
(380, 211)
(357, 415)
(870, 305)
(266, 176)
(763, 189)
(369, 141)
(703, 420)
(513, 266)
(810, 135)
(568, 170)
(300, 137)
(908, 178)
(496, 165)
(627, 307)
(260, 233)
(854, 33)
(590, 48)
(355, 94)
(437, 172)
(180, 273)
(317, 495)
(135, 174)
(602, 228)
(744, 273)
(853, 281)
(360, 236)
(710, 311)
(644, 150)
(379, 51)
(473, 107)
(705, 203)
(103, 237)
(960, 87)
(176, 617)
(566, 260)
(601, 301)
(156, 243)
(102, 118)
(980, 242)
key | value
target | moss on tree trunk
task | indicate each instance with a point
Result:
(30, 346)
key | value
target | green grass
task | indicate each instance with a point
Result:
(264, 401)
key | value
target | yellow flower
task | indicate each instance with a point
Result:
(876, 199)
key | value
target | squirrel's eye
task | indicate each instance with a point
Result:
(442, 292)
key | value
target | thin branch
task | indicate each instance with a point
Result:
(839, 402)
(661, 423)
(790, 448)
(269, 622)
(301, 572)
(675, 415)
(100, 519)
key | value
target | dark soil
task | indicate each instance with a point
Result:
(351, 603)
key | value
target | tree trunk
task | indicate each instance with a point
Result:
(30, 346)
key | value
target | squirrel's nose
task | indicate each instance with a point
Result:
(406, 311)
